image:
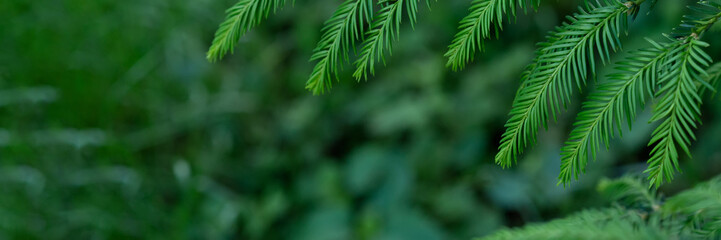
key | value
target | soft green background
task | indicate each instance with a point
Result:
(114, 126)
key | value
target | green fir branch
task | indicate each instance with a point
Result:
(340, 33)
(679, 108)
(240, 18)
(609, 223)
(679, 105)
(677, 73)
(563, 61)
(637, 213)
(697, 211)
(617, 98)
(631, 192)
(384, 29)
(484, 16)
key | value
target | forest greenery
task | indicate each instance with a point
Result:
(114, 125)
(674, 72)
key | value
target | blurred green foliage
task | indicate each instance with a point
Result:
(113, 126)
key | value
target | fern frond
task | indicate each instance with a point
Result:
(485, 15)
(605, 109)
(679, 108)
(563, 61)
(340, 32)
(384, 29)
(240, 18)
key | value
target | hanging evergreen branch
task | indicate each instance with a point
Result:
(677, 69)
(614, 100)
(705, 14)
(385, 28)
(680, 106)
(240, 18)
(340, 32)
(485, 15)
(562, 61)
(675, 72)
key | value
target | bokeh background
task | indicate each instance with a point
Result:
(114, 126)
